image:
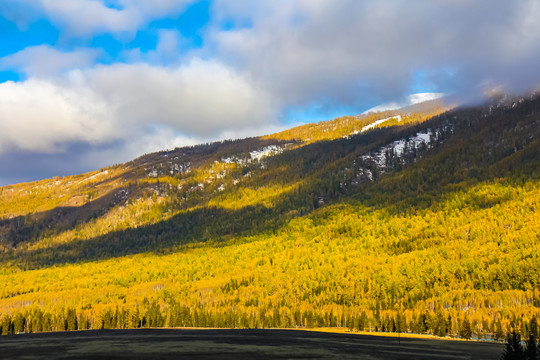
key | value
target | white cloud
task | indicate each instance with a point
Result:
(85, 17)
(200, 98)
(43, 60)
(155, 8)
(135, 104)
(345, 52)
(168, 45)
(21, 12)
(43, 117)
(88, 17)
(167, 50)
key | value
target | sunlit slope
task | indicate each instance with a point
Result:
(351, 125)
(473, 252)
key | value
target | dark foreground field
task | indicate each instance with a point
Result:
(234, 344)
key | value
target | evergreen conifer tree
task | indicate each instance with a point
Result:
(465, 331)
(513, 350)
(533, 328)
(499, 333)
(532, 353)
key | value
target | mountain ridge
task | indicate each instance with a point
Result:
(428, 224)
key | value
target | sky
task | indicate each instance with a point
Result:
(90, 83)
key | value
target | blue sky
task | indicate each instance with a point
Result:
(88, 83)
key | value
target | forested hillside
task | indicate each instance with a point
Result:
(422, 220)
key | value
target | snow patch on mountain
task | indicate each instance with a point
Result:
(89, 178)
(411, 100)
(266, 151)
(377, 123)
(399, 148)
(394, 155)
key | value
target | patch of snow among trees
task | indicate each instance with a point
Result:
(377, 123)
(400, 147)
(266, 151)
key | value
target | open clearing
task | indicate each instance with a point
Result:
(235, 344)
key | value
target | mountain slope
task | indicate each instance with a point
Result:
(154, 187)
(428, 224)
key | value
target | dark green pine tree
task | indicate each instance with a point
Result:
(532, 353)
(533, 328)
(71, 320)
(440, 325)
(465, 331)
(18, 323)
(7, 325)
(108, 320)
(499, 333)
(276, 318)
(363, 322)
(513, 350)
